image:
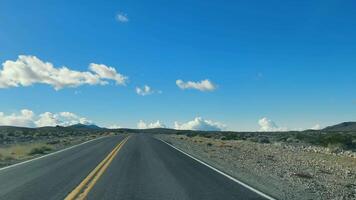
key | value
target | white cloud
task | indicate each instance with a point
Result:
(146, 90)
(143, 125)
(204, 85)
(61, 119)
(200, 124)
(107, 72)
(122, 17)
(316, 127)
(114, 126)
(269, 125)
(47, 119)
(23, 119)
(27, 118)
(29, 70)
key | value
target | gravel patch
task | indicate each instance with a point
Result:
(280, 170)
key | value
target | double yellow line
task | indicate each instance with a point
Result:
(82, 190)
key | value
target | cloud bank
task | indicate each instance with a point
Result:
(200, 124)
(143, 125)
(27, 118)
(204, 85)
(23, 119)
(29, 70)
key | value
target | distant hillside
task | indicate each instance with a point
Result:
(9, 134)
(84, 126)
(345, 126)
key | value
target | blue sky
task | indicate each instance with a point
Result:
(291, 62)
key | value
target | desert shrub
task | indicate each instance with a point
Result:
(282, 138)
(353, 142)
(42, 133)
(11, 134)
(336, 147)
(263, 139)
(53, 142)
(232, 137)
(8, 158)
(292, 139)
(65, 142)
(303, 175)
(5, 157)
(192, 134)
(329, 139)
(253, 139)
(40, 150)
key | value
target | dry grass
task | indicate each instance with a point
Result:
(19, 152)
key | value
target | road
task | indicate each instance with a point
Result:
(140, 167)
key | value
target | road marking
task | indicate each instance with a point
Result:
(220, 172)
(82, 190)
(51, 154)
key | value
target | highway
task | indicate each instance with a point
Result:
(135, 167)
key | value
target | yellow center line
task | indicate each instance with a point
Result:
(82, 190)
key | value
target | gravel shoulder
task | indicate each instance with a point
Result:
(280, 170)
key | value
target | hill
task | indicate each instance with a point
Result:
(345, 126)
(85, 126)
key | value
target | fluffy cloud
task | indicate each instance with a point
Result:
(143, 125)
(122, 17)
(61, 119)
(23, 119)
(204, 85)
(47, 119)
(316, 127)
(269, 125)
(29, 70)
(200, 124)
(106, 72)
(145, 90)
(26, 118)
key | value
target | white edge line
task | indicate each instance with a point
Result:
(51, 154)
(220, 172)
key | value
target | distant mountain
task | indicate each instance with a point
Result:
(85, 126)
(345, 126)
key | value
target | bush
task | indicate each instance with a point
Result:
(336, 148)
(39, 150)
(53, 142)
(252, 139)
(231, 137)
(263, 140)
(192, 134)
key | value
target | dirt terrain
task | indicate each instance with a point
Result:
(280, 169)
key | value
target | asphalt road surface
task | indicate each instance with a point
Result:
(140, 167)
